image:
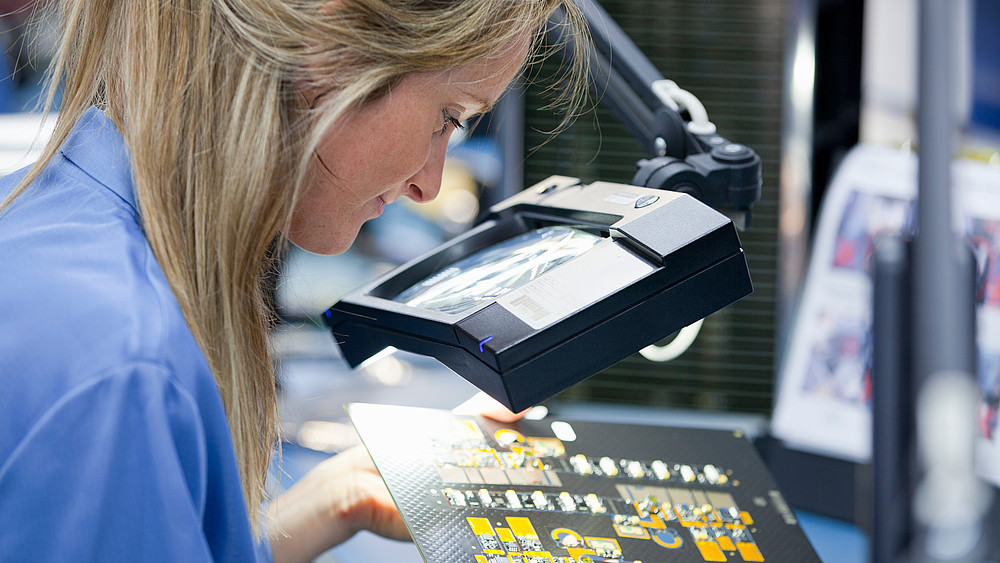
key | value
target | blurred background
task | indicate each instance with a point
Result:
(802, 82)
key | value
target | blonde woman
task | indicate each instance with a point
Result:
(137, 395)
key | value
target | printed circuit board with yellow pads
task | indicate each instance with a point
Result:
(474, 490)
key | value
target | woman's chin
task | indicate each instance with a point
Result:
(324, 246)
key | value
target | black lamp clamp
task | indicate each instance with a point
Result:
(722, 174)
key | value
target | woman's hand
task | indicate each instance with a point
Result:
(339, 497)
(484, 405)
(345, 494)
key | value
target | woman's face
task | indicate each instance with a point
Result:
(393, 147)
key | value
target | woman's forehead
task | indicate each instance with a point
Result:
(484, 80)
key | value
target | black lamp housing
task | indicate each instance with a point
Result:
(666, 261)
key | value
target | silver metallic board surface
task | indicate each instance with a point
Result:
(474, 490)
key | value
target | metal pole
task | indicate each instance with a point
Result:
(940, 292)
(892, 402)
(949, 502)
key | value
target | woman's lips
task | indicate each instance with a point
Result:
(381, 206)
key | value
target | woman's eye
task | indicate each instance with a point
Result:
(450, 120)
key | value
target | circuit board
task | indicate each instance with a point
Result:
(474, 490)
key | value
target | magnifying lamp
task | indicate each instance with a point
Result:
(556, 284)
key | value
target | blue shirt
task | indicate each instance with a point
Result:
(114, 444)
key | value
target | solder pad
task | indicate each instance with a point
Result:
(474, 490)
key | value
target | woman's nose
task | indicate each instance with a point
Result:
(425, 185)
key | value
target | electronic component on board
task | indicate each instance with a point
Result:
(594, 503)
(455, 498)
(566, 502)
(634, 469)
(513, 501)
(687, 473)
(712, 475)
(581, 464)
(608, 466)
(660, 470)
(539, 500)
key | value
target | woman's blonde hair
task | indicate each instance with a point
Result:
(208, 95)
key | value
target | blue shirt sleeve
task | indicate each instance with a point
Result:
(114, 471)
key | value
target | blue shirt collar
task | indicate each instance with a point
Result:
(96, 146)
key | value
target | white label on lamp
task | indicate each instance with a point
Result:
(586, 279)
(622, 198)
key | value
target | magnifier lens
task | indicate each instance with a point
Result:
(496, 270)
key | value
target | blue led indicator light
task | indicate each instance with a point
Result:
(328, 313)
(484, 341)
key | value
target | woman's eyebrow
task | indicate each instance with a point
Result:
(481, 106)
